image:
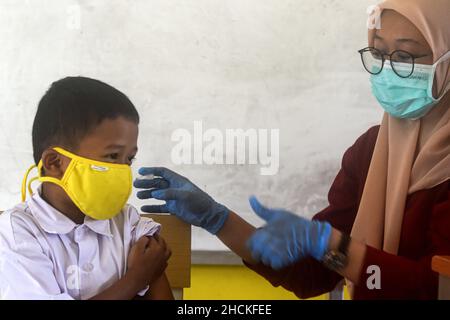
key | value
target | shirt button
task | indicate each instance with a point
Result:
(88, 267)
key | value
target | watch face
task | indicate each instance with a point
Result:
(335, 260)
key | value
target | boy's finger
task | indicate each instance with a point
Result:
(161, 241)
(151, 241)
(168, 253)
(142, 243)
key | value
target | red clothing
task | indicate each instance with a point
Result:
(425, 233)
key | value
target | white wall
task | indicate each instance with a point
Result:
(289, 65)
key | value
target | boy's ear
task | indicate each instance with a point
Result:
(54, 163)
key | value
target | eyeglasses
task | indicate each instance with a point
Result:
(402, 62)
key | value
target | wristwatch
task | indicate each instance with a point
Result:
(337, 259)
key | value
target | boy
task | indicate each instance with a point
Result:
(75, 237)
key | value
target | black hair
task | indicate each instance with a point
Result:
(72, 107)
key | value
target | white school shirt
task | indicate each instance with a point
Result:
(45, 255)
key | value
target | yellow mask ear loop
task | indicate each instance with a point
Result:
(51, 179)
(43, 179)
(24, 182)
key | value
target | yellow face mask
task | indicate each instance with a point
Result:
(99, 189)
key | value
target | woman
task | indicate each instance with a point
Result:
(389, 206)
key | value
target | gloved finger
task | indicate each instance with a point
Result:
(169, 194)
(295, 250)
(273, 259)
(278, 263)
(146, 194)
(268, 253)
(260, 210)
(274, 256)
(257, 244)
(259, 237)
(151, 183)
(266, 259)
(156, 208)
(254, 250)
(160, 172)
(256, 254)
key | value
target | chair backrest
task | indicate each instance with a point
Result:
(177, 235)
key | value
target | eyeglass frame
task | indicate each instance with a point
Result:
(383, 60)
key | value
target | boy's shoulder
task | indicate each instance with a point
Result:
(127, 214)
(130, 216)
(139, 224)
(17, 222)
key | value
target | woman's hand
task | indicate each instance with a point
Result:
(286, 238)
(183, 199)
(147, 260)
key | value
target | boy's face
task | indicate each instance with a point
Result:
(113, 140)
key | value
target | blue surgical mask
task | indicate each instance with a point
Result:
(407, 98)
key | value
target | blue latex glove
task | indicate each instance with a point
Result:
(183, 199)
(286, 238)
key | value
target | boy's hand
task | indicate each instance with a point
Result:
(183, 199)
(148, 260)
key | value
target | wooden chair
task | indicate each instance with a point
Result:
(441, 265)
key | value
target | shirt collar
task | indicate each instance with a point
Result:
(99, 226)
(54, 221)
